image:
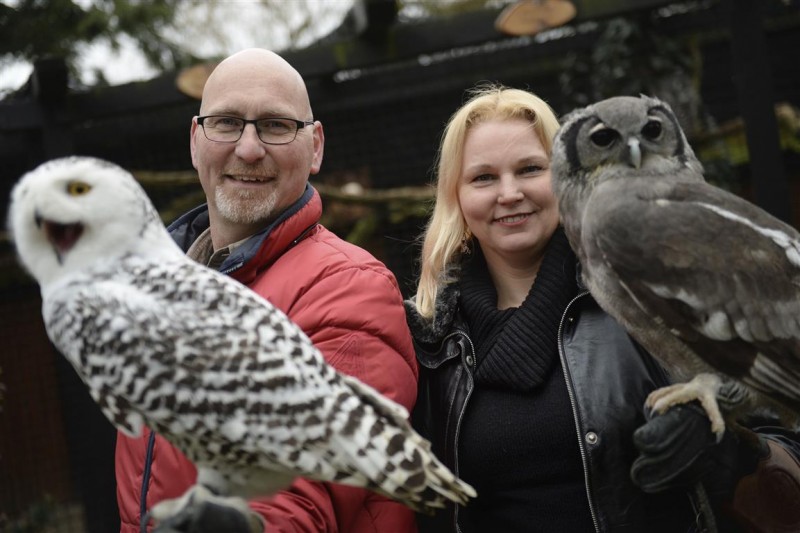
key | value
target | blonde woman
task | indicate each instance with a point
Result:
(528, 390)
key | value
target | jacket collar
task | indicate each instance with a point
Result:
(445, 316)
(262, 248)
(432, 331)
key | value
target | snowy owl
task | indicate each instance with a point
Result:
(163, 342)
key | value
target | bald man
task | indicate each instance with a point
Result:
(254, 146)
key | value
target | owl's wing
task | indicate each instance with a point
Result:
(220, 372)
(190, 352)
(717, 271)
(106, 330)
(236, 386)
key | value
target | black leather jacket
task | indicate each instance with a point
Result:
(608, 378)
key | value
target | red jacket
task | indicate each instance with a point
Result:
(350, 306)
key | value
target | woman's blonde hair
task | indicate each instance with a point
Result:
(446, 229)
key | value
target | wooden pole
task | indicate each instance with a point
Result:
(753, 80)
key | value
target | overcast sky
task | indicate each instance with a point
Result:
(125, 66)
(244, 26)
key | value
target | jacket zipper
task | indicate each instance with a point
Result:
(573, 403)
(461, 416)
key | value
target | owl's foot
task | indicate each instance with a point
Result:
(199, 509)
(703, 388)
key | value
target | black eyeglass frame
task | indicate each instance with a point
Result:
(299, 123)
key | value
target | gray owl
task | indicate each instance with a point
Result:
(163, 342)
(704, 280)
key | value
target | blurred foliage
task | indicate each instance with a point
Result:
(416, 9)
(171, 34)
(274, 24)
(631, 56)
(38, 29)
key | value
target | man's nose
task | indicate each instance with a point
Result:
(249, 147)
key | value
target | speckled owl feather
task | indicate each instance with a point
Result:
(164, 342)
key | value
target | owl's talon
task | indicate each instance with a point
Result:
(703, 388)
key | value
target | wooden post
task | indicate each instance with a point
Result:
(753, 79)
(49, 79)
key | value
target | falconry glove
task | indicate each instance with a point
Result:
(678, 449)
(756, 483)
(212, 517)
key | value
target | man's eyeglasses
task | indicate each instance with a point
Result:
(276, 130)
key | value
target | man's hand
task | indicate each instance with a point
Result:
(677, 449)
(211, 517)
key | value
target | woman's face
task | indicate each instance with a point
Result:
(505, 193)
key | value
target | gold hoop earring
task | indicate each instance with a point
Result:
(466, 242)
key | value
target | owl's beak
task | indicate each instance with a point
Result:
(62, 237)
(634, 153)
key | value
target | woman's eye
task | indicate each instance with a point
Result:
(483, 177)
(531, 169)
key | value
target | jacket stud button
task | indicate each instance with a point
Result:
(470, 360)
(591, 437)
(571, 319)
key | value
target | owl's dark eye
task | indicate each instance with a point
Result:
(603, 137)
(652, 130)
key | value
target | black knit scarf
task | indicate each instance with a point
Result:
(517, 347)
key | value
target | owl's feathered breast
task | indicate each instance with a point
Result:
(195, 353)
(685, 260)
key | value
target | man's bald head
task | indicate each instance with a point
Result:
(257, 68)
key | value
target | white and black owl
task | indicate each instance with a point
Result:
(163, 342)
(706, 281)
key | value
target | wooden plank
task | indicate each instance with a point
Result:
(403, 41)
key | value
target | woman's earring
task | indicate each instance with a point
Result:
(466, 242)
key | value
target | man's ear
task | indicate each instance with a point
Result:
(319, 147)
(192, 147)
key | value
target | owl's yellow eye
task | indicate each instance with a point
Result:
(78, 188)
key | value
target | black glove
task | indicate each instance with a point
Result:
(210, 517)
(678, 449)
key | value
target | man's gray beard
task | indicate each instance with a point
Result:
(245, 207)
